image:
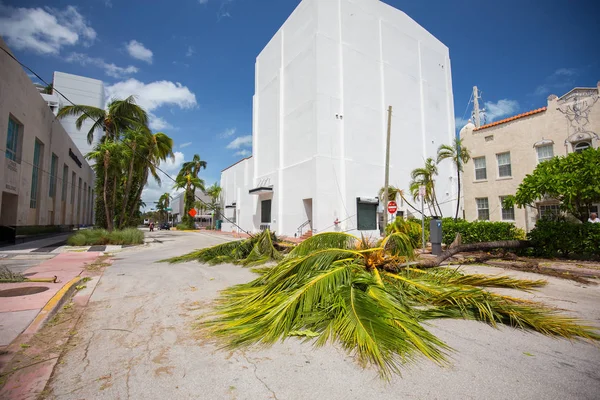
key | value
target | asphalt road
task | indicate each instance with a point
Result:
(136, 341)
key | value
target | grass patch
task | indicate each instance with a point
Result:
(91, 237)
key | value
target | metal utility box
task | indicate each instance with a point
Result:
(435, 236)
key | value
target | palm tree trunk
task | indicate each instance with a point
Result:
(458, 194)
(127, 188)
(109, 222)
(138, 195)
(435, 202)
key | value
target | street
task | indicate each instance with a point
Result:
(137, 340)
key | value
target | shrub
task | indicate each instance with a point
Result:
(565, 239)
(91, 237)
(479, 231)
(185, 227)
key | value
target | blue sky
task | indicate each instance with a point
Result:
(191, 62)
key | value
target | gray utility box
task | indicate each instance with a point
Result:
(435, 236)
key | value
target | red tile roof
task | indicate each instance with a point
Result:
(514, 117)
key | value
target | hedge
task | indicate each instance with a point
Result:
(87, 237)
(565, 239)
(479, 231)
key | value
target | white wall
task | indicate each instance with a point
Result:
(323, 85)
(80, 90)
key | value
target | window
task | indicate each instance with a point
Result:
(581, 146)
(65, 178)
(480, 169)
(508, 214)
(265, 211)
(73, 177)
(545, 152)
(53, 168)
(35, 174)
(12, 139)
(483, 209)
(366, 215)
(550, 211)
(504, 168)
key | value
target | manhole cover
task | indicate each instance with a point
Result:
(22, 291)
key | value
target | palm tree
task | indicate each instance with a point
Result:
(393, 193)
(193, 167)
(164, 202)
(189, 183)
(425, 176)
(118, 116)
(459, 155)
(158, 149)
(106, 154)
(214, 192)
(134, 140)
(338, 288)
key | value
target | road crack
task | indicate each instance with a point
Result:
(85, 354)
(258, 378)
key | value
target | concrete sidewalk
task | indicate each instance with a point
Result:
(18, 312)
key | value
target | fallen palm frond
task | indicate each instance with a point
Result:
(337, 286)
(8, 276)
(253, 251)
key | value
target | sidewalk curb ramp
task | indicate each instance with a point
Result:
(30, 382)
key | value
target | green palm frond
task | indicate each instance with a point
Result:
(324, 241)
(336, 287)
(253, 251)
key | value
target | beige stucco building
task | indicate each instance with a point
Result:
(504, 152)
(44, 179)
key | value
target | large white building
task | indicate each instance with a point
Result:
(81, 91)
(45, 179)
(322, 88)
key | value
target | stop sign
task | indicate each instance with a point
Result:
(392, 207)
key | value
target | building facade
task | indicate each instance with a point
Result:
(81, 91)
(504, 152)
(323, 85)
(46, 179)
(203, 216)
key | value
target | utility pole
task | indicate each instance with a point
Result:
(476, 107)
(387, 169)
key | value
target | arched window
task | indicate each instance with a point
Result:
(581, 146)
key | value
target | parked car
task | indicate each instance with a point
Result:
(165, 226)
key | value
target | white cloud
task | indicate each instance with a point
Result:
(153, 190)
(558, 81)
(242, 141)
(108, 3)
(139, 51)
(500, 109)
(190, 51)
(183, 145)
(154, 94)
(157, 123)
(460, 122)
(44, 30)
(227, 133)
(243, 153)
(202, 1)
(109, 68)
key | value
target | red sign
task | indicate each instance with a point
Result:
(392, 207)
(192, 213)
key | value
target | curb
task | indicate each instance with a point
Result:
(52, 307)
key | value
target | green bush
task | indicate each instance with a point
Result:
(479, 231)
(551, 238)
(185, 227)
(91, 237)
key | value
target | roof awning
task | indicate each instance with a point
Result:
(261, 190)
